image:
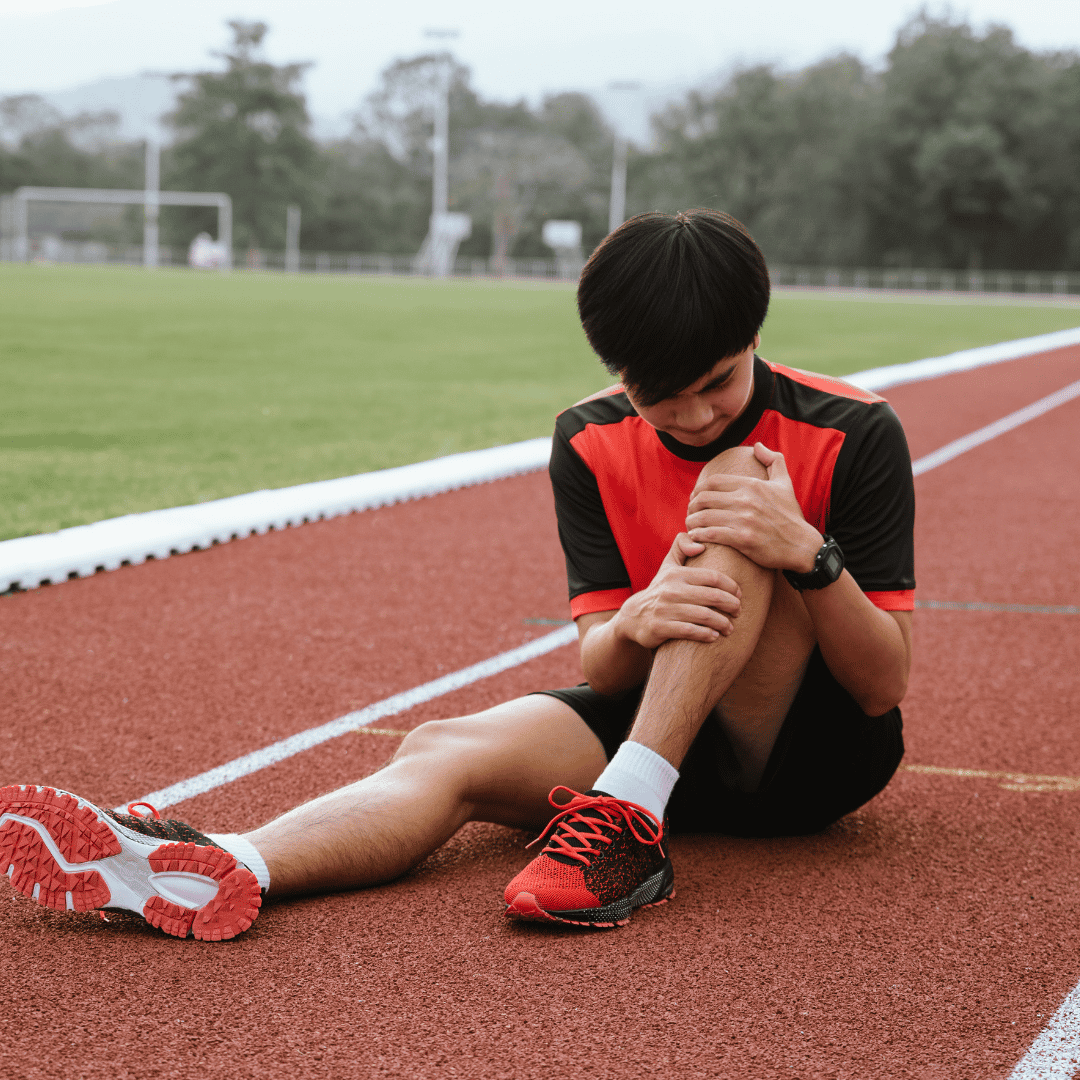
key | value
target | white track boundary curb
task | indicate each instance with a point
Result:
(30, 561)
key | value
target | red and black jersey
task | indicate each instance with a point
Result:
(622, 487)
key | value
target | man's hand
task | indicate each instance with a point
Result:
(680, 602)
(759, 518)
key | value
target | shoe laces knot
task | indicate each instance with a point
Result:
(573, 832)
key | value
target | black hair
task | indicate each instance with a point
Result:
(665, 297)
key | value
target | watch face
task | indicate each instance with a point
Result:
(834, 564)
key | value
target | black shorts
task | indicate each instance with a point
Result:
(829, 759)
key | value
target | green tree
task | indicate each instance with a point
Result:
(977, 158)
(512, 167)
(41, 147)
(781, 152)
(244, 131)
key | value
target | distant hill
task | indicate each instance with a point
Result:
(139, 101)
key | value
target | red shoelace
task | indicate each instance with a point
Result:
(135, 813)
(567, 839)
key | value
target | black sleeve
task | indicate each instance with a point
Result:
(593, 561)
(872, 505)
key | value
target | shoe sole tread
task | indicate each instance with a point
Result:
(81, 835)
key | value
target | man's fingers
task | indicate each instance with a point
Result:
(707, 499)
(683, 548)
(728, 535)
(773, 460)
(710, 579)
(698, 624)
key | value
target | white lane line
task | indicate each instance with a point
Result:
(304, 740)
(998, 427)
(1055, 1054)
(391, 706)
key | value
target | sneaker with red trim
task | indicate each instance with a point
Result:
(603, 859)
(68, 854)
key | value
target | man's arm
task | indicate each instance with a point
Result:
(867, 649)
(682, 601)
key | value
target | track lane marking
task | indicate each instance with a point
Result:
(998, 427)
(1055, 1053)
(980, 605)
(391, 706)
(305, 740)
(1012, 781)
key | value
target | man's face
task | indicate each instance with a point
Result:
(700, 413)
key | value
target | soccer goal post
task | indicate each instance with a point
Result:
(22, 198)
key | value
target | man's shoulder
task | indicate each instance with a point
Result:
(609, 406)
(823, 401)
(813, 382)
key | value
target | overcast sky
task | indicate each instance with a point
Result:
(514, 50)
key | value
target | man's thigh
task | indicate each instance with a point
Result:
(512, 756)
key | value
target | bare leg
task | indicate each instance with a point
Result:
(749, 678)
(496, 766)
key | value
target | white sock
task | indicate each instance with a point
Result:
(639, 775)
(246, 852)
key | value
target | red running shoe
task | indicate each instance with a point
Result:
(603, 859)
(66, 853)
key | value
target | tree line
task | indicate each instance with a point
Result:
(962, 152)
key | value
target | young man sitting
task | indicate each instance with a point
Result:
(738, 541)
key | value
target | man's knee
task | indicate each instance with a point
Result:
(435, 739)
(735, 461)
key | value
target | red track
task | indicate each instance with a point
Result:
(928, 935)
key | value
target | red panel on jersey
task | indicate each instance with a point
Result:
(823, 382)
(810, 454)
(628, 460)
(608, 600)
(898, 600)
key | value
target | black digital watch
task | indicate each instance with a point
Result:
(828, 566)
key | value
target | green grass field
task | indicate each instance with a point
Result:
(123, 391)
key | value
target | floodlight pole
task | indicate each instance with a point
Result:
(152, 203)
(617, 204)
(292, 239)
(440, 145)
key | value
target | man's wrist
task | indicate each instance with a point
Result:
(808, 550)
(827, 568)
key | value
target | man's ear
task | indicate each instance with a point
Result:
(757, 341)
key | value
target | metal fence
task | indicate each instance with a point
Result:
(51, 249)
(972, 281)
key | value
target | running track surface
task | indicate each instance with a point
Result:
(930, 934)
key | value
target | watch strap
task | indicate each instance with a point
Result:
(828, 566)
